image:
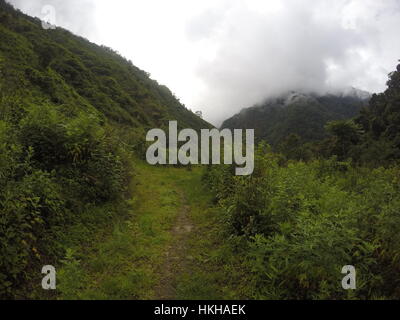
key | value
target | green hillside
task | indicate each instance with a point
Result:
(59, 68)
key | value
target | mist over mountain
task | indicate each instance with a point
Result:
(295, 112)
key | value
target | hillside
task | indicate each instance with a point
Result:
(298, 113)
(59, 68)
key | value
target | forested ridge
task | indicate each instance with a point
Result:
(297, 113)
(59, 68)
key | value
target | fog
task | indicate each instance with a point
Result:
(221, 56)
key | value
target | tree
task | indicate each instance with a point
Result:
(345, 135)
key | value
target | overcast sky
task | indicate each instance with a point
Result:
(219, 56)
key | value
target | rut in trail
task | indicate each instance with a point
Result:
(175, 256)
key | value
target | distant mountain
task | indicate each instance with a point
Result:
(304, 114)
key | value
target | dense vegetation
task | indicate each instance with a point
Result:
(71, 115)
(296, 223)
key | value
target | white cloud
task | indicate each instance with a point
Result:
(74, 15)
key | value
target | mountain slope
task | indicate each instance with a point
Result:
(297, 113)
(64, 69)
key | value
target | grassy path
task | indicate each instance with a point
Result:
(168, 247)
(176, 254)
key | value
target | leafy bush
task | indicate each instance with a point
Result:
(304, 221)
(51, 168)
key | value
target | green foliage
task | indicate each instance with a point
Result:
(71, 276)
(51, 167)
(345, 134)
(304, 221)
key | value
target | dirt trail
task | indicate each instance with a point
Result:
(175, 257)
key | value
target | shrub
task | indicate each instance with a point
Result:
(302, 222)
(52, 166)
